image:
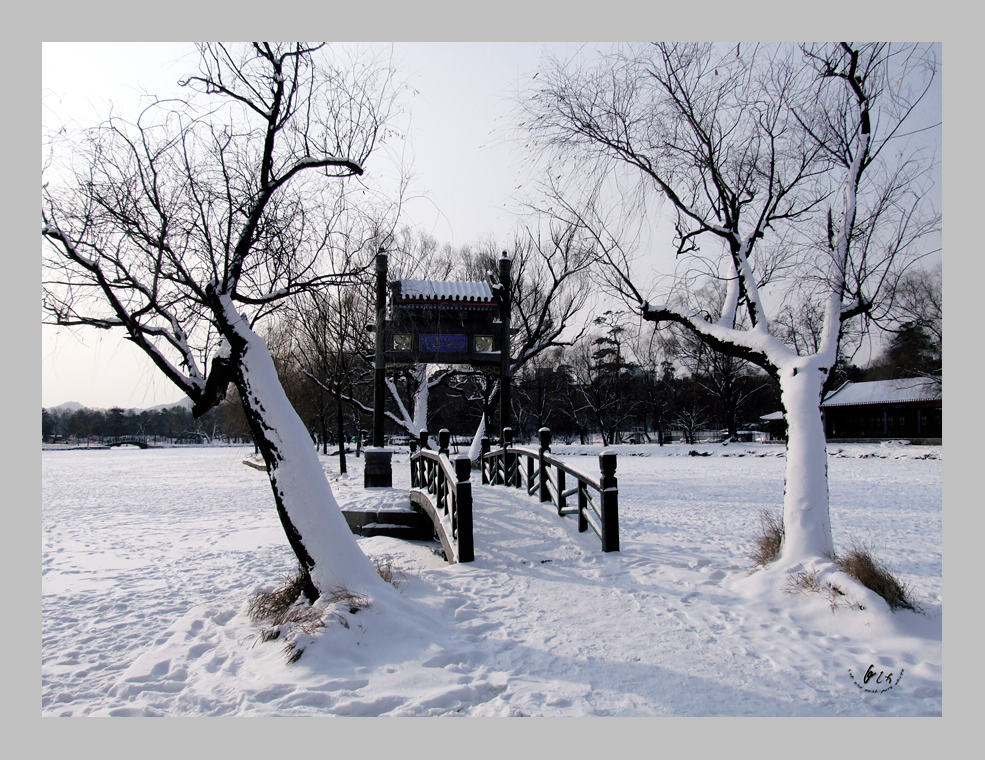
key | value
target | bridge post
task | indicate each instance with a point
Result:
(463, 508)
(509, 460)
(610, 502)
(545, 447)
(414, 482)
(444, 438)
(484, 444)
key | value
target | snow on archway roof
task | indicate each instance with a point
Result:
(445, 290)
(896, 391)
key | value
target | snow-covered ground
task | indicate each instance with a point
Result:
(149, 558)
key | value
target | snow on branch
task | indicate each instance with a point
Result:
(755, 345)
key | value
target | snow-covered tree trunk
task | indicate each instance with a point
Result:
(424, 379)
(422, 397)
(475, 450)
(806, 524)
(308, 511)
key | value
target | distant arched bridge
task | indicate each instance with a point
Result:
(127, 440)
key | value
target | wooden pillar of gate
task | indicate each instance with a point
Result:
(379, 366)
(378, 469)
(505, 371)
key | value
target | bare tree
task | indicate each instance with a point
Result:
(186, 227)
(780, 166)
(729, 380)
(328, 338)
(915, 328)
(550, 262)
(656, 380)
(918, 303)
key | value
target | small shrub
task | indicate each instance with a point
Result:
(273, 606)
(289, 615)
(770, 539)
(860, 565)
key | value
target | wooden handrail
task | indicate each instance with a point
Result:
(558, 464)
(444, 489)
(501, 466)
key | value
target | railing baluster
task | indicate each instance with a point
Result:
(509, 460)
(422, 440)
(582, 504)
(484, 444)
(440, 486)
(545, 448)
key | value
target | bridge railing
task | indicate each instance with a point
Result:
(547, 478)
(444, 490)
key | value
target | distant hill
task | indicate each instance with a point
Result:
(68, 406)
(185, 402)
(73, 406)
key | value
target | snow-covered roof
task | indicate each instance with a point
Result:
(445, 290)
(897, 391)
(773, 416)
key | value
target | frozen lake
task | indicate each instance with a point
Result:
(148, 557)
(131, 540)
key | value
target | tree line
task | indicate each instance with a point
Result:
(172, 424)
(609, 381)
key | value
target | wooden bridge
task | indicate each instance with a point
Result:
(546, 477)
(442, 488)
(127, 440)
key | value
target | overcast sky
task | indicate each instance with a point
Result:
(466, 169)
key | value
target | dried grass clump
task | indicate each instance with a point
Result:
(289, 616)
(805, 580)
(769, 540)
(273, 606)
(860, 565)
(384, 566)
(809, 582)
